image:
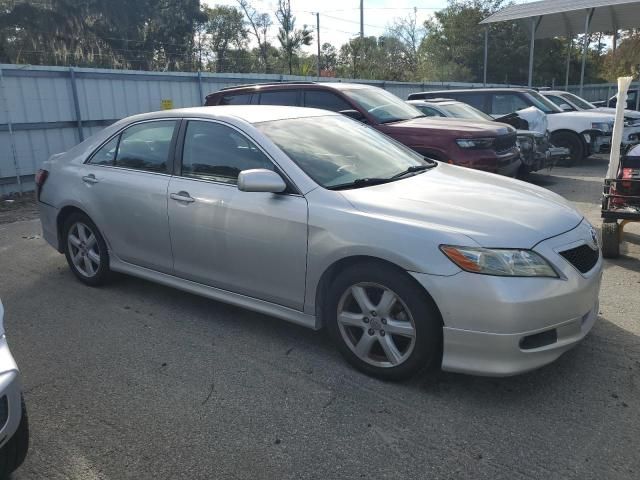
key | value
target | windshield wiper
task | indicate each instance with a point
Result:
(413, 169)
(359, 182)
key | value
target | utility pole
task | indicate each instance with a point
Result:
(361, 18)
(318, 35)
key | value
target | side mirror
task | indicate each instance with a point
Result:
(355, 114)
(260, 180)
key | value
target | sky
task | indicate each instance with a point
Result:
(340, 19)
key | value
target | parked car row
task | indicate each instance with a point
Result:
(536, 151)
(490, 147)
(582, 132)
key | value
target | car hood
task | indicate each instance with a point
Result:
(492, 210)
(612, 111)
(473, 128)
(589, 115)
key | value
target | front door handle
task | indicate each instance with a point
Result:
(91, 178)
(182, 197)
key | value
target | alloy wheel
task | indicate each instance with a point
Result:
(83, 249)
(376, 324)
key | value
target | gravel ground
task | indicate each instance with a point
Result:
(138, 381)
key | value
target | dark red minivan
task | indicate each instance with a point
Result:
(487, 146)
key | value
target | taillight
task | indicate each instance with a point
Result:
(627, 173)
(41, 177)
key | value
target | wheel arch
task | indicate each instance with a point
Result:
(573, 133)
(338, 266)
(64, 213)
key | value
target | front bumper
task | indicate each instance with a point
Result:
(10, 390)
(501, 326)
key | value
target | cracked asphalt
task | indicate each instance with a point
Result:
(138, 381)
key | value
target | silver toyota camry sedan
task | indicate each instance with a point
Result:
(320, 220)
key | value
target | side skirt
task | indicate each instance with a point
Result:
(243, 301)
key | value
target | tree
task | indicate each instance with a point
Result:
(328, 57)
(260, 24)
(410, 34)
(225, 30)
(290, 38)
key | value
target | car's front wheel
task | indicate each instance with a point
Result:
(571, 141)
(383, 322)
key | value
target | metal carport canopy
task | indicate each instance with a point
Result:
(567, 18)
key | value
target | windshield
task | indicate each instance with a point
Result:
(462, 110)
(547, 106)
(335, 150)
(580, 102)
(385, 107)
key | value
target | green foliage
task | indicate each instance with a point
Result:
(185, 35)
(291, 39)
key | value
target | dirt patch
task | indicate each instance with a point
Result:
(15, 208)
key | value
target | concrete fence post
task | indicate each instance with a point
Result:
(200, 89)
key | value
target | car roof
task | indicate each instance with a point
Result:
(478, 90)
(434, 100)
(553, 92)
(248, 113)
(290, 86)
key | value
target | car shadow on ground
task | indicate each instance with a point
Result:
(583, 364)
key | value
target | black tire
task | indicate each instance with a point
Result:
(426, 351)
(102, 273)
(571, 141)
(610, 239)
(14, 452)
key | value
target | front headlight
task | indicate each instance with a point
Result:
(499, 262)
(604, 126)
(475, 143)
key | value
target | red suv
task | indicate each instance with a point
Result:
(487, 146)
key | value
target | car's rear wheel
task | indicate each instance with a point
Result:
(86, 250)
(13, 453)
(573, 143)
(383, 322)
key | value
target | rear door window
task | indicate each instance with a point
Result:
(146, 146)
(505, 103)
(280, 97)
(236, 99)
(325, 101)
(477, 100)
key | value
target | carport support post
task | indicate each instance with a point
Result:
(587, 24)
(535, 21)
(486, 52)
(566, 78)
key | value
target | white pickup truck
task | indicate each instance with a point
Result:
(583, 133)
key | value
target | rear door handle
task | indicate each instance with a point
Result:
(91, 178)
(182, 197)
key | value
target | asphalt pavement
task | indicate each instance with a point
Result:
(138, 381)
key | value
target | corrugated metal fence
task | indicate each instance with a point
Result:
(46, 110)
